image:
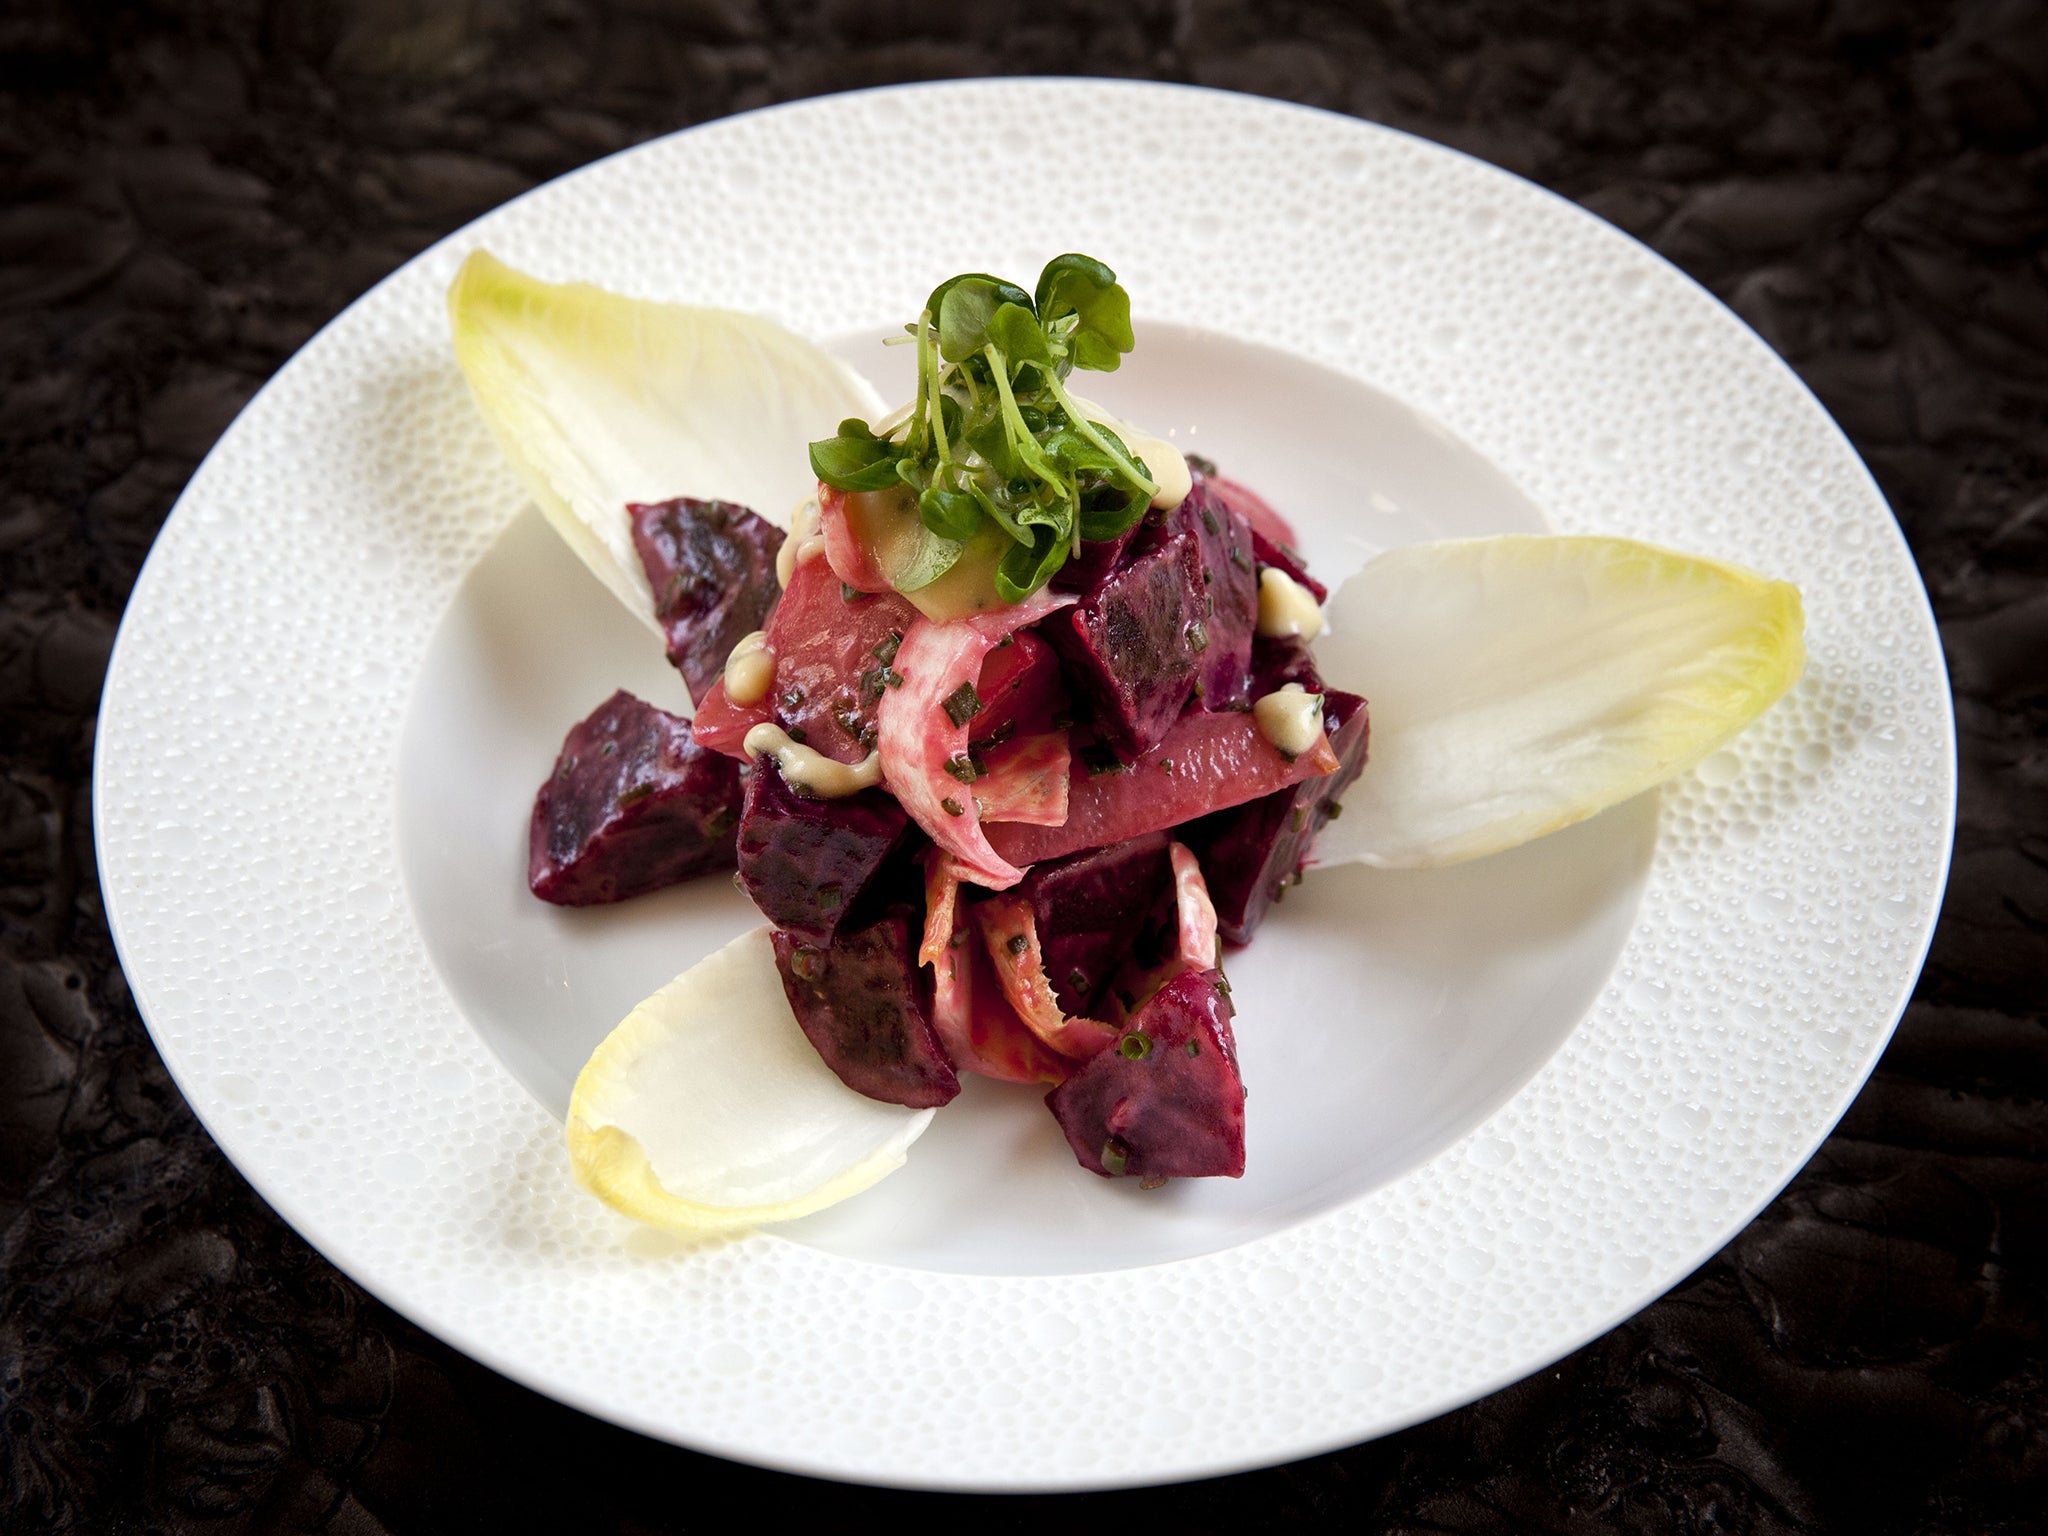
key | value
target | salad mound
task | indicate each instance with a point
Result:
(1017, 724)
(995, 698)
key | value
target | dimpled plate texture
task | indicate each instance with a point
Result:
(246, 786)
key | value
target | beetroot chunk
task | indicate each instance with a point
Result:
(1283, 557)
(712, 567)
(1252, 852)
(1166, 1100)
(1130, 650)
(1229, 588)
(1089, 911)
(865, 1003)
(1098, 560)
(806, 862)
(634, 804)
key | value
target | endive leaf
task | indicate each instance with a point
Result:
(707, 1110)
(600, 400)
(1519, 684)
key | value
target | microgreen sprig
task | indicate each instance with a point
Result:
(993, 439)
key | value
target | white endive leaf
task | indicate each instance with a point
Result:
(600, 400)
(1519, 684)
(707, 1110)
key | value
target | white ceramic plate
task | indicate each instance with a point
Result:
(1493, 1109)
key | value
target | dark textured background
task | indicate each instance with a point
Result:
(191, 191)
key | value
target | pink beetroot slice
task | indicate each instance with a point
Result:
(1206, 762)
(633, 804)
(1165, 1101)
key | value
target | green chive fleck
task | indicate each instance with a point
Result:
(962, 704)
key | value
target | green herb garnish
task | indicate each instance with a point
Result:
(962, 704)
(993, 439)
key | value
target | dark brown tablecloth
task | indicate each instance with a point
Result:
(191, 191)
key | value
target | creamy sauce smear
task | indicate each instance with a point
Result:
(750, 669)
(810, 772)
(1290, 717)
(1286, 607)
(803, 542)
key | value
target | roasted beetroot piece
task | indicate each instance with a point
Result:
(1165, 1101)
(832, 653)
(1277, 662)
(633, 805)
(1230, 591)
(1090, 908)
(1283, 557)
(1205, 762)
(866, 1005)
(1248, 504)
(1130, 650)
(712, 567)
(1087, 571)
(1020, 691)
(1251, 853)
(807, 862)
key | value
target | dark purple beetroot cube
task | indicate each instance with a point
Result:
(634, 804)
(1098, 558)
(1130, 650)
(1165, 1101)
(806, 862)
(1230, 590)
(712, 567)
(1266, 553)
(1252, 852)
(1090, 909)
(1286, 659)
(865, 1003)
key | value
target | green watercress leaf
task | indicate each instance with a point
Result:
(1083, 287)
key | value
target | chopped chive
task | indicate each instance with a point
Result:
(951, 807)
(1198, 637)
(961, 766)
(1209, 522)
(799, 735)
(829, 897)
(636, 794)
(1135, 1046)
(1194, 1047)
(962, 704)
(608, 749)
(885, 651)
(1166, 763)
(1016, 944)
(1116, 1157)
(1241, 560)
(1101, 762)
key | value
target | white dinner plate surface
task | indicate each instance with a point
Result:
(1493, 1109)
